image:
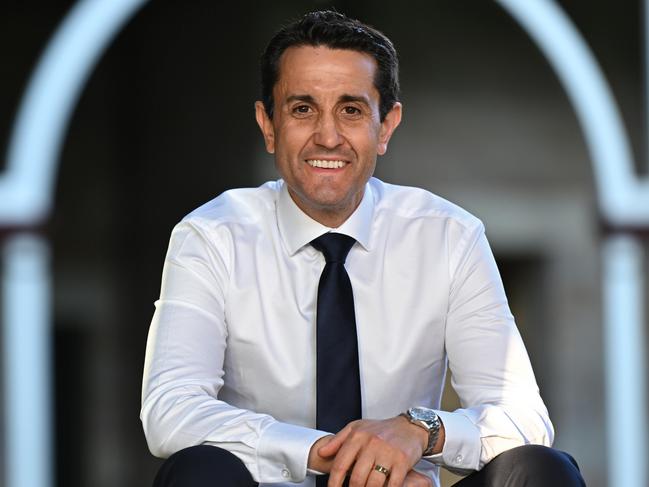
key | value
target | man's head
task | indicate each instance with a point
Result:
(335, 31)
(326, 126)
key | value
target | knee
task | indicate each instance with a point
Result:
(541, 465)
(201, 465)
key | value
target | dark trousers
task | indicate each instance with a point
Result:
(525, 466)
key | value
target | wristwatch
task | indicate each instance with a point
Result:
(427, 419)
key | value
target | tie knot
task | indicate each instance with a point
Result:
(334, 246)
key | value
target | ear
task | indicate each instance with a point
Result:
(266, 126)
(388, 126)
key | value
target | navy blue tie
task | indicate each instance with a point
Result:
(338, 379)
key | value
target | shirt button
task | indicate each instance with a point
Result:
(459, 458)
(285, 473)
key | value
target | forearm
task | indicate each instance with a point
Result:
(272, 451)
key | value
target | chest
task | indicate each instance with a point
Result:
(400, 300)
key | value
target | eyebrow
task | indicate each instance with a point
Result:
(355, 98)
(304, 98)
(343, 99)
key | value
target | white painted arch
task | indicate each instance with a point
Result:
(26, 199)
(27, 186)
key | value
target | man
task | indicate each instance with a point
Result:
(291, 311)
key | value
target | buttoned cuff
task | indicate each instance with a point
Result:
(462, 446)
(283, 452)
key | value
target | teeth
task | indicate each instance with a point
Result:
(325, 164)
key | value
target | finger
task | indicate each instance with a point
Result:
(361, 470)
(325, 442)
(378, 478)
(416, 479)
(398, 476)
(343, 462)
(332, 447)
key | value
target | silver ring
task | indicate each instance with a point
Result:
(382, 469)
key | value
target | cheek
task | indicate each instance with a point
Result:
(365, 142)
(292, 137)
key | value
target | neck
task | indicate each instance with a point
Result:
(331, 217)
(331, 220)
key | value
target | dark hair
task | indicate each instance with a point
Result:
(336, 31)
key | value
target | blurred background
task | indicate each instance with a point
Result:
(165, 123)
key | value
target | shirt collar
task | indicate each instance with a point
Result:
(298, 229)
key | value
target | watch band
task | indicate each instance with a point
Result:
(427, 419)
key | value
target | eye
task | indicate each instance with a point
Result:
(302, 109)
(351, 110)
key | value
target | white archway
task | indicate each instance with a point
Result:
(624, 202)
(26, 198)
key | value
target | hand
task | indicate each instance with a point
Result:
(317, 462)
(395, 444)
(416, 479)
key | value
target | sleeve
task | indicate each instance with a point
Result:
(491, 371)
(183, 370)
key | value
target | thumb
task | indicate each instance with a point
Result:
(333, 445)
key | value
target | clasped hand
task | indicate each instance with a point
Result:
(394, 444)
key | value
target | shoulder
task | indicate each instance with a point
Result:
(416, 204)
(241, 206)
(426, 221)
(240, 213)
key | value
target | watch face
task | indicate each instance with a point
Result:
(423, 414)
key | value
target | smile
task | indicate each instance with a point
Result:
(325, 164)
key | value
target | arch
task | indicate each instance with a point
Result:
(26, 196)
(27, 184)
(624, 201)
(622, 195)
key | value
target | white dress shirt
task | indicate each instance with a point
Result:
(230, 357)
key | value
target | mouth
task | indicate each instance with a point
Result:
(326, 164)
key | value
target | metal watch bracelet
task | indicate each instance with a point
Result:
(427, 419)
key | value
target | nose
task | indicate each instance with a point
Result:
(327, 133)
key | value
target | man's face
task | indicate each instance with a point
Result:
(326, 131)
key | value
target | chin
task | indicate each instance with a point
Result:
(334, 206)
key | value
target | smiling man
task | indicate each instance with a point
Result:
(326, 130)
(304, 327)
